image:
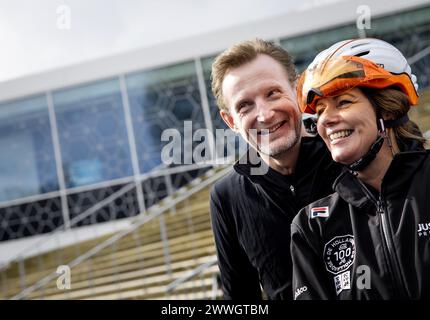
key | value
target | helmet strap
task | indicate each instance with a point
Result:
(365, 160)
(376, 146)
(382, 125)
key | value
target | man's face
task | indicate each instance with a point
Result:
(259, 96)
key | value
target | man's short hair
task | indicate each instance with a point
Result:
(245, 52)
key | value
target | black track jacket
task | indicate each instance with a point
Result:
(251, 219)
(359, 244)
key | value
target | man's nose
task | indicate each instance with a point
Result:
(265, 113)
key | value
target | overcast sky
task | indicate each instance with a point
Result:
(32, 38)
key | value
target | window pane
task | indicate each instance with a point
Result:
(27, 162)
(162, 99)
(217, 121)
(305, 48)
(92, 133)
(410, 33)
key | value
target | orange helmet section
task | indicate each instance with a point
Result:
(333, 76)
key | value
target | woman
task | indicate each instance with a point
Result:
(371, 238)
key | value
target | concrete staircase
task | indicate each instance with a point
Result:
(138, 266)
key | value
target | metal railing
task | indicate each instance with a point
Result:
(203, 268)
(156, 172)
(154, 212)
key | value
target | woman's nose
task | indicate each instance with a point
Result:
(328, 117)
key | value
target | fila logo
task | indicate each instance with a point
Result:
(322, 212)
(423, 229)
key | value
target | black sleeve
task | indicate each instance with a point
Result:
(238, 277)
(309, 276)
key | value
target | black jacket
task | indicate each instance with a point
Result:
(359, 244)
(251, 219)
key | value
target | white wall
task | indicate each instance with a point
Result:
(323, 14)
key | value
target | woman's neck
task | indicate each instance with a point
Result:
(376, 170)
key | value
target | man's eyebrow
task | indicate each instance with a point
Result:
(238, 102)
(272, 85)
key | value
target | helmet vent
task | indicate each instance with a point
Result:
(362, 53)
(359, 44)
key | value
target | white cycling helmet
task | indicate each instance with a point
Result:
(326, 69)
(378, 51)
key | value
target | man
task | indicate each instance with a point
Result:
(254, 84)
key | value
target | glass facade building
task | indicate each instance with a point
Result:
(64, 151)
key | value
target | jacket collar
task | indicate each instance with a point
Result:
(312, 151)
(400, 172)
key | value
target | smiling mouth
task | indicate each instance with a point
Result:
(270, 130)
(340, 134)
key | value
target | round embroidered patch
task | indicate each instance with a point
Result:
(339, 253)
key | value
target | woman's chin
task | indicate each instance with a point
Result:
(343, 158)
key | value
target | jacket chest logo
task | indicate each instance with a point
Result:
(322, 212)
(423, 229)
(339, 253)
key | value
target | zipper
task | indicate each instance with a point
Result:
(293, 191)
(387, 240)
(388, 237)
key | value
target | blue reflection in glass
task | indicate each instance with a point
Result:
(92, 133)
(217, 122)
(162, 99)
(27, 161)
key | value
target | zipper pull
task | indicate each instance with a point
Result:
(379, 209)
(293, 191)
(380, 206)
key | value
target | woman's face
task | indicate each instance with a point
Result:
(347, 124)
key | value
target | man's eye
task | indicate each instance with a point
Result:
(272, 93)
(243, 106)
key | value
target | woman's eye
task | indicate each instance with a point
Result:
(344, 102)
(319, 110)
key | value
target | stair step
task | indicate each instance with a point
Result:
(135, 266)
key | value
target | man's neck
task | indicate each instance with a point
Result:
(286, 162)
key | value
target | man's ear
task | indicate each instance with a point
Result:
(228, 119)
(294, 84)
